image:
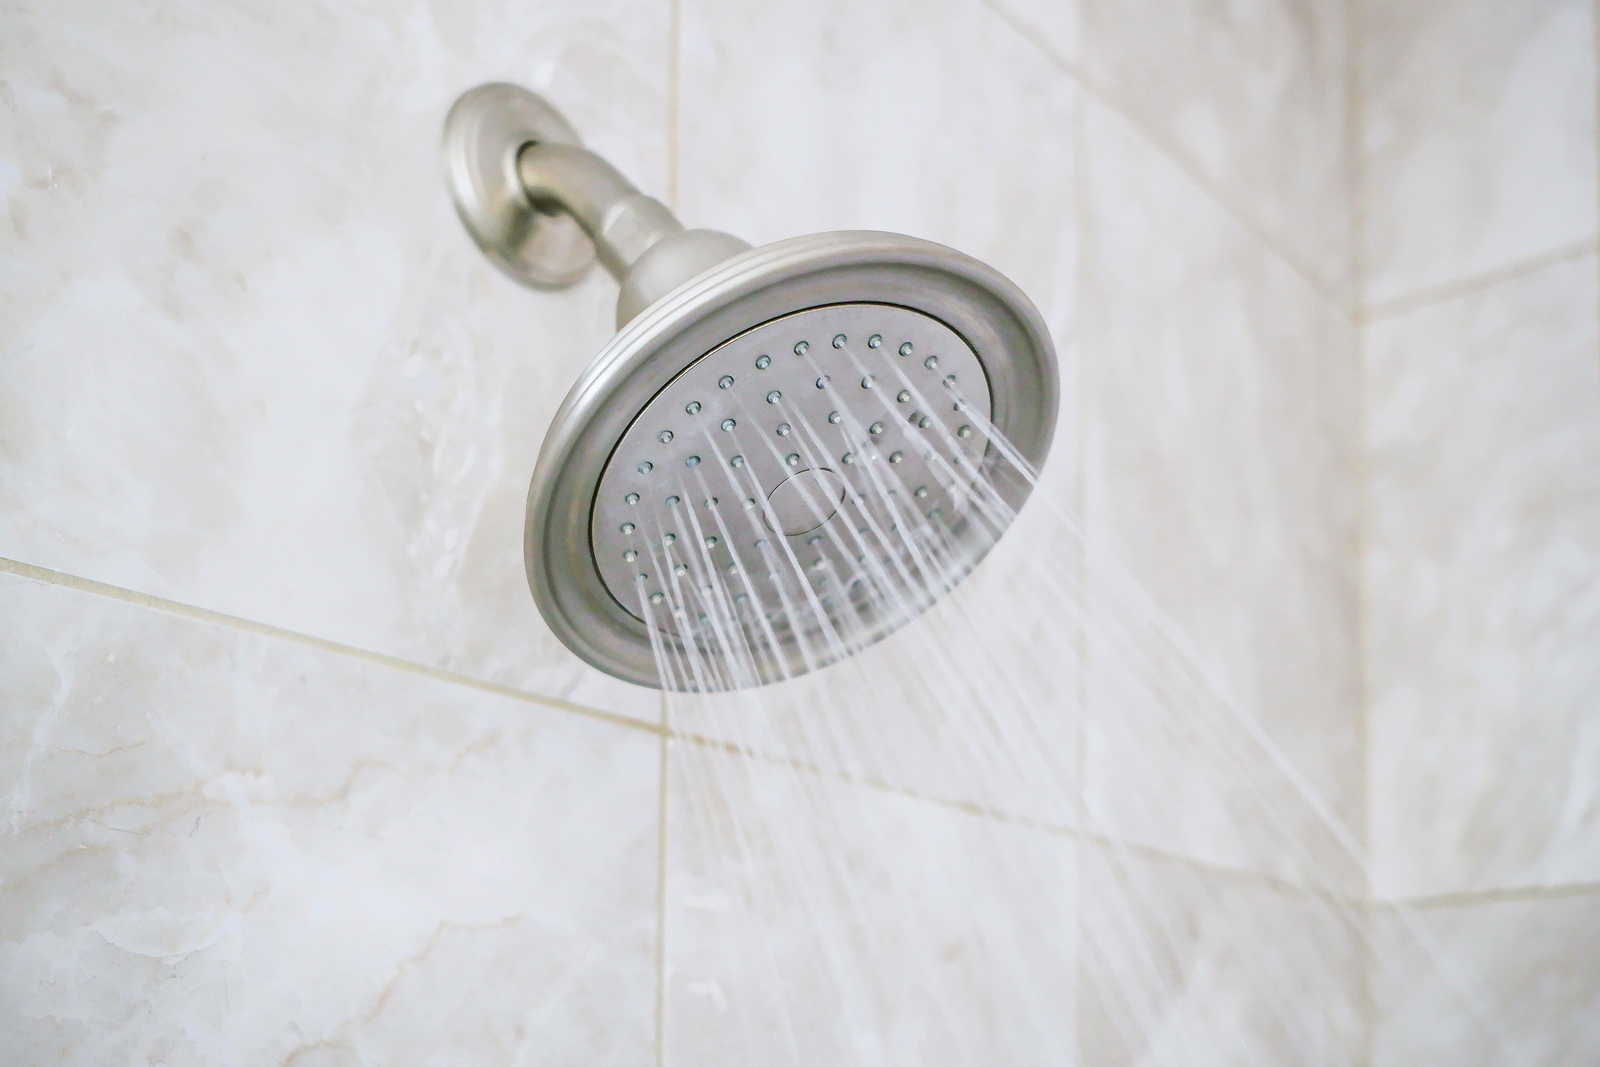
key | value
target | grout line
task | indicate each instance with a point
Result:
(1080, 489)
(1477, 897)
(674, 98)
(969, 807)
(1472, 283)
(1361, 476)
(261, 629)
(661, 895)
(1175, 155)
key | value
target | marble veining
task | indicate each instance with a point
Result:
(253, 363)
(224, 848)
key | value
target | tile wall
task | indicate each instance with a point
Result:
(1480, 370)
(294, 771)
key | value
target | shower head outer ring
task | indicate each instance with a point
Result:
(486, 130)
(985, 308)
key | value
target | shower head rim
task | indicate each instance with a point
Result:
(765, 283)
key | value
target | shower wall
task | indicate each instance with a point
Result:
(294, 772)
(1480, 355)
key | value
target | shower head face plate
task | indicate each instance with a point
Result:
(805, 499)
(795, 474)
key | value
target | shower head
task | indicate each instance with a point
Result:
(786, 452)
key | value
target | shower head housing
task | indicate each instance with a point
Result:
(782, 455)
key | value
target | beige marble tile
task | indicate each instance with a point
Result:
(1489, 984)
(1478, 137)
(1183, 966)
(223, 848)
(252, 360)
(810, 921)
(1483, 578)
(1220, 421)
(1251, 98)
(1051, 24)
(937, 120)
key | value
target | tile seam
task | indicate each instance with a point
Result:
(661, 897)
(674, 99)
(1468, 284)
(63, 579)
(1361, 474)
(1310, 278)
(977, 810)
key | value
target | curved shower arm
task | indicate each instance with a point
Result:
(640, 242)
(622, 221)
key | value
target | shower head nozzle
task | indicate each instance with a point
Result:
(778, 456)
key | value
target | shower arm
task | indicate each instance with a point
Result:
(639, 241)
(621, 221)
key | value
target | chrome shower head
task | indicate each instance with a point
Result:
(778, 443)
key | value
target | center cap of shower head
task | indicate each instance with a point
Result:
(799, 478)
(804, 502)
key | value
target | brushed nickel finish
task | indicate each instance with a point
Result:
(637, 489)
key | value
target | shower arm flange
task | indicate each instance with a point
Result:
(541, 206)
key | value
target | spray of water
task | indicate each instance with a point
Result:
(939, 850)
